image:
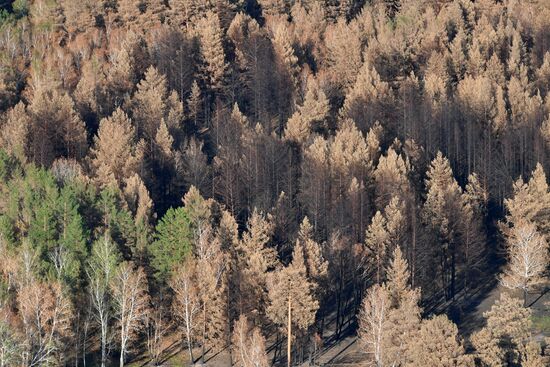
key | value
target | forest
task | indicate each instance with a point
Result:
(258, 183)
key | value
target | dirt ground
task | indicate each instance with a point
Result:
(347, 351)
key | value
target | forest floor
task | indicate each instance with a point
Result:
(345, 349)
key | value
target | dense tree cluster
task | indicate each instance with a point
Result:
(234, 176)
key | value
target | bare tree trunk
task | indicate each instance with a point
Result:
(203, 346)
(103, 342)
(189, 346)
(85, 338)
(289, 341)
(122, 347)
(229, 343)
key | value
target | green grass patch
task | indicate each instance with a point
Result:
(541, 323)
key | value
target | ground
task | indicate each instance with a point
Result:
(346, 351)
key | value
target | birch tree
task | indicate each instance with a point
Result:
(248, 344)
(373, 319)
(131, 301)
(46, 315)
(100, 272)
(186, 303)
(527, 258)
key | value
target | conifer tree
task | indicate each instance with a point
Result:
(292, 302)
(255, 259)
(391, 178)
(120, 77)
(140, 205)
(211, 283)
(508, 323)
(194, 166)
(398, 279)
(404, 314)
(164, 144)
(71, 250)
(174, 115)
(172, 241)
(545, 131)
(210, 35)
(57, 129)
(474, 239)
(315, 263)
(14, 137)
(148, 104)
(199, 210)
(253, 51)
(314, 188)
(194, 102)
(138, 199)
(115, 155)
(438, 343)
(443, 212)
(529, 202)
(284, 52)
(80, 16)
(91, 90)
(273, 7)
(366, 101)
(436, 80)
(297, 128)
(396, 224)
(532, 356)
(376, 241)
(310, 116)
(488, 351)
(228, 236)
(287, 69)
(349, 151)
(349, 157)
(500, 120)
(316, 106)
(344, 50)
(129, 12)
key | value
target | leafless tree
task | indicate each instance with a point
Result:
(528, 258)
(131, 302)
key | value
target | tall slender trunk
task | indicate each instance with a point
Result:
(103, 343)
(203, 333)
(189, 345)
(122, 356)
(338, 307)
(228, 304)
(85, 337)
(289, 337)
(413, 255)
(453, 274)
